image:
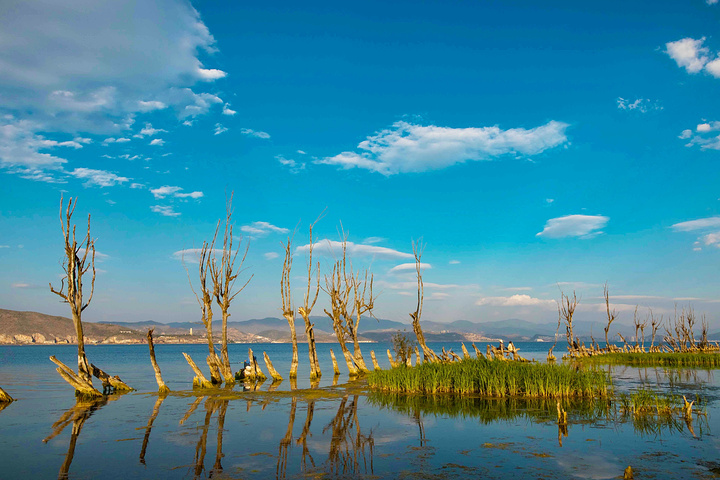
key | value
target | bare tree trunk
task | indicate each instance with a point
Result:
(415, 316)
(162, 388)
(110, 383)
(199, 379)
(376, 366)
(257, 372)
(293, 338)
(273, 373)
(81, 385)
(336, 370)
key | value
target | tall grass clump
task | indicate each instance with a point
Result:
(493, 379)
(673, 359)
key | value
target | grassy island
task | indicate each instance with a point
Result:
(493, 379)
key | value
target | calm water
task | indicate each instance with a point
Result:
(331, 431)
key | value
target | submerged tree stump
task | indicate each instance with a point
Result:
(4, 397)
(466, 354)
(478, 353)
(418, 358)
(393, 363)
(110, 383)
(336, 369)
(82, 387)
(273, 373)
(374, 360)
(162, 388)
(199, 380)
(257, 373)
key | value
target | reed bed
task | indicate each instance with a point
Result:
(492, 379)
(673, 359)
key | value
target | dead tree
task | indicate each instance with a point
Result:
(611, 316)
(223, 278)
(162, 388)
(428, 354)
(79, 259)
(337, 287)
(307, 308)
(287, 306)
(205, 300)
(4, 397)
(566, 310)
(363, 302)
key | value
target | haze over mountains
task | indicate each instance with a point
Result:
(33, 327)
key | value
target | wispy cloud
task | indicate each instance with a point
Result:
(261, 229)
(174, 191)
(408, 267)
(454, 262)
(165, 210)
(271, 255)
(709, 225)
(519, 300)
(227, 110)
(583, 226)
(642, 105)
(192, 255)
(98, 178)
(333, 249)
(254, 133)
(704, 136)
(408, 147)
(293, 165)
(219, 128)
(157, 142)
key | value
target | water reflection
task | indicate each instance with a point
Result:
(212, 405)
(77, 415)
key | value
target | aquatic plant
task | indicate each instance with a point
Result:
(668, 359)
(492, 378)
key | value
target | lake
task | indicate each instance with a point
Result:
(337, 428)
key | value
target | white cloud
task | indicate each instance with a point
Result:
(333, 248)
(294, 166)
(192, 255)
(100, 178)
(271, 255)
(150, 131)
(227, 110)
(414, 148)
(712, 239)
(434, 296)
(711, 2)
(165, 210)
(174, 191)
(454, 262)
(210, 74)
(520, 300)
(688, 53)
(151, 105)
(260, 229)
(4, 246)
(372, 240)
(708, 127)
(584, 226)
(408, 267)
(687, 133)
(136, 185)
(158, 141)
(699, 224)
(301, 152)
(253, 133)
(642, 105)
(220, 129)
(110, 140)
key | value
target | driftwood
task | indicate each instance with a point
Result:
(4, 397)
(374, 360)
(466, 354)
(256, 372)
(199, 380)
(418, 358)
(273, 373)
(109, 383)
(393, 363)
(162, 388)
(336, 369)
(82, 386)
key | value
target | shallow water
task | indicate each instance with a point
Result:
(332, 431)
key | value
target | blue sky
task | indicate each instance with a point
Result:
(532, 147)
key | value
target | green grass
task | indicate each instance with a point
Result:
(493, 379)
(655, 359)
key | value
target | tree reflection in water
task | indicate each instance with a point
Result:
(212, 405)
(77, 415)
(346, 445)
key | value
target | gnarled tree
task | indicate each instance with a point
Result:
(287, 306)
(611, 316)
(339, 288)
(428, 354)
(363, 302)
(223, 279)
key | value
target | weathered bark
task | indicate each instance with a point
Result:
(146, 439)
(223, 278)
(77, 261)
(257, 373)
(418, 358)
(307, 307)
(287, 308)
(338, 288)
(376, 366)
(466, 354)
(393, 363)
(478, 353)
(199, 380)
(273, 373)
(110, 383)
(162, 388)
(336, 369)
(362, 304)
(81, 385)
(415, 316)
(4, 397)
